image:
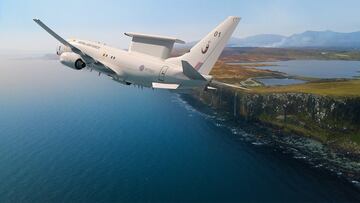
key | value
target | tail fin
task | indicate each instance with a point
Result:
(206, 52)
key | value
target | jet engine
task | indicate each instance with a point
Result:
(72, 60)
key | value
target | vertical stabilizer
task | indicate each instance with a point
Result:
(207, 51)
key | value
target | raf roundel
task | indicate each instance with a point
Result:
(206, 48)
(141, 68)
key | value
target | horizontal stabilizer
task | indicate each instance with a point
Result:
(211, 88)
(165, 86)
(190, 72)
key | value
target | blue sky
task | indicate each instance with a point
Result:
(107, 20)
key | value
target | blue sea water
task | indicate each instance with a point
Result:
(72, 136)
(317, 68)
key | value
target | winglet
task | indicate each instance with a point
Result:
(190, 72)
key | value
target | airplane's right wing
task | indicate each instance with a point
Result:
(56, 36)
(85, 56)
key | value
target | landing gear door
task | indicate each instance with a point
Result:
(163, 73)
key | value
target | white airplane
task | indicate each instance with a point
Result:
(147, 62)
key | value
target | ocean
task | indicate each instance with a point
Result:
(74, 136)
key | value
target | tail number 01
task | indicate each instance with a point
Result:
(217, 34)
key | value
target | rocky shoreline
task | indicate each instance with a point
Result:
(315, 129)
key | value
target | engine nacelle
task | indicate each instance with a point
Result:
(72, 60)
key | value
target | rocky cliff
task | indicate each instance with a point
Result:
(332, 121)
(323, 131)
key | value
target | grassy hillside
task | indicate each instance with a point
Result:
(349, 88)
(243, 54)
(234, 74)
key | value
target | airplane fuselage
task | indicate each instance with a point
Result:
(132, 67)
(148, 61)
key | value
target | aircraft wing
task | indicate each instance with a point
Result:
(153, 45)
(56, 36)
(86, 57)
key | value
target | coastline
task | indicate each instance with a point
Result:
(245, 111)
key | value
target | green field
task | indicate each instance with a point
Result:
(345, 88)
